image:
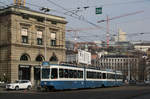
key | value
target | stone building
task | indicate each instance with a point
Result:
(25, 35)
(129, 65)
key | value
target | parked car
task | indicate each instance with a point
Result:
(132, 81)
(19, 84)
(147, 82)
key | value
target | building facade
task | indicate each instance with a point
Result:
(27, 38)
(142, 46)
(129, 65)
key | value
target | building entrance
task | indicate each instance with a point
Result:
(37, 76)
(24, 72)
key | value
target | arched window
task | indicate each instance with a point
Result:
(39, 58)
(53, 58)
(25, 57)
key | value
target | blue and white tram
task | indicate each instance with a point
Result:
(68, 77)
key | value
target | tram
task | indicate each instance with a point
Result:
(60, 77)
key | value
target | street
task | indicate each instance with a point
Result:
(123, 92)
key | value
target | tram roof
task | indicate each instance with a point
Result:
(81, 67)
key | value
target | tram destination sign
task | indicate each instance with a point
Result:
(45, 63)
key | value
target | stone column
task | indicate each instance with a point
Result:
(32, 75)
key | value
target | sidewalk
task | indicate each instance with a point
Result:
(1, 89)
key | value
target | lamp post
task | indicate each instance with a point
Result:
(45, 49)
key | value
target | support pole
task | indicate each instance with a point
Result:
(107, 34)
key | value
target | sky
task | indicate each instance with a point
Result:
(136, 26)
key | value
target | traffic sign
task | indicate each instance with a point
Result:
(98, 10)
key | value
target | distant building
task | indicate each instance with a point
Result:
(122, 63)
(144, 46)
(124, 46)
(79, 57)
(22, 40)
(122, 36)
(70, 45)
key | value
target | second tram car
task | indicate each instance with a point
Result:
(62, 77)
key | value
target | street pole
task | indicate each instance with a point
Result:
(45, 41)
(107, 34)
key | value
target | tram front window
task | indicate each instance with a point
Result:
(45, 73)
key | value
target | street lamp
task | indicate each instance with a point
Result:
(45, 49)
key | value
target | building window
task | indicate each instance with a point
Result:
(54, 57)
(53, 42)
(39, 41)
(24, 57)
(54, 22)
(39, 58)
(39, 19)
(24, 39)
(39, 37)
(25, 16)
(24, 34)
(53, 39)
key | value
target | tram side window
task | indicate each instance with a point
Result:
(91, 74)
(113, 76)
(95, 75)
(54, 73)
(104, 75)
(75, 74)
(101, 75)
(110, 76)
(70, 73)
(61, 73)
(119, 77)
(80, 74)
(98, 75)
(45, 73)
(65, 73)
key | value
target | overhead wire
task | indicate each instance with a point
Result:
(78, 17)
(137, 1)
(133, 34)
(8, 1)
(85, 20)
(3, 3)
(41, 7)
(66, 10)
(63, 13)
(32, 32)
(112, 4)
